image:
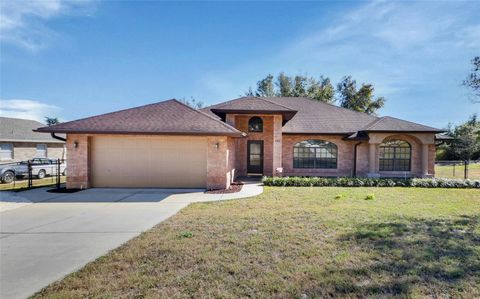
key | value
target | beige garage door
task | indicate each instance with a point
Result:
(151, 161)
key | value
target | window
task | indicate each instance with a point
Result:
(6, 151)
(395, 155)
(41, 151)
(314, 154)
(255, 124)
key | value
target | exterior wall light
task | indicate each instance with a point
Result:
(217, 145)
(75, 144)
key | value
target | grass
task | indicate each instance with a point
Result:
(299, 243)
(447, 171)
(21, 185)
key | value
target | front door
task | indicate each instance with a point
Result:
(255, 156)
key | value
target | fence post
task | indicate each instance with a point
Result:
(465, 172)
(29, 174)
(58, 173)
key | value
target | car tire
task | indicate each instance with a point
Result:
(8, 177)
(41, 174)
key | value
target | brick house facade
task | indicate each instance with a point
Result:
(18, 141)
(168, 144)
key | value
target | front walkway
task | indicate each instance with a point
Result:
(60, 233)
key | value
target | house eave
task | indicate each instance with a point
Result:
(98, 132)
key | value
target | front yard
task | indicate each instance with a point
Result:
(300, 242)
(22, 184)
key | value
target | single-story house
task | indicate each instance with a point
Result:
(18, 141)
(169, 144)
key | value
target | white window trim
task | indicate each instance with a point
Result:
(11, 152)
(46, 151)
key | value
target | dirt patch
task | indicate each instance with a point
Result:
(234, 187)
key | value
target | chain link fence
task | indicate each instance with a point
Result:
(37, 172)
(457, 169)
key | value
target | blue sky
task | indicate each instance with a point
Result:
(80, 58)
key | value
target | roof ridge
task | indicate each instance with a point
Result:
(223, 103)
(21, 119)
(210, 117)
(266, 100)
(370, 124)
(108, 113)
(403, 120)
(339, 107)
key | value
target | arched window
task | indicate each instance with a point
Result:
(314, 154)
(395, 155)
(255, 124)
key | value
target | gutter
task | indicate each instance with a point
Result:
(355, 159)
(58, 137)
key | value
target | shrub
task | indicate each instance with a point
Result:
(370, 197)
(368, 182)
(185, 234)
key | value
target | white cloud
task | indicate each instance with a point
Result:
(22, 23)
(27, 109)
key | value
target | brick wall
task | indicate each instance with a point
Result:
(220, 162)
(78, 166)
(416, 140)
(344, 157)
(272, 141)
(23, 151)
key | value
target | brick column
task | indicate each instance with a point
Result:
(217, 163)
(425, 160)
(277, 145)
(372, 160)
(78, 161)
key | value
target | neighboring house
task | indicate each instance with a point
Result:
(18, 141)
(169, 144)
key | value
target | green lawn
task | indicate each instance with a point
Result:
(299, 243)
(23, 184)
(457, 172)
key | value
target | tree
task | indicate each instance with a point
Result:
(265, 87)
(297, 86)
(473, 79)
(361, 100)
(284, 85)
(50, 121)
(193, 103)
(466, 141)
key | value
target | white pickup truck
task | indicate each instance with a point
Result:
(41, 167)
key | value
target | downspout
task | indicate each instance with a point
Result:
(355, 159)
(58, 137)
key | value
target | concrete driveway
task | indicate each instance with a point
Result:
(60, 233)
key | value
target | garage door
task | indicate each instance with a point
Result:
(152, 161)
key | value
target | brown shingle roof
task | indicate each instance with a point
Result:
(319, 117)
(249, 104)
(392, 124)
(168, 117)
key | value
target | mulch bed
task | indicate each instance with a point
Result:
(234, 187)
(63, 190)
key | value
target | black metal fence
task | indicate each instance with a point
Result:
(457, 169)
(33, 173)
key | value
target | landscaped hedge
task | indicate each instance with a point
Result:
(368, 182)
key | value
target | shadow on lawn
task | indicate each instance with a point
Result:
(441, 257)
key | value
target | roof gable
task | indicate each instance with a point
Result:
(167, 117)
(250, 104)
(392, 124)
